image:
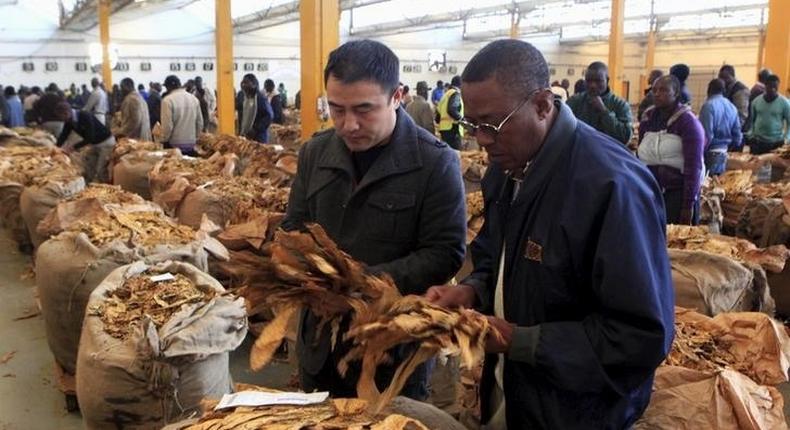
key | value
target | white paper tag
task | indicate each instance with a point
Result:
(258, 398)
(277, 147)
(206, 185)
(163, 277)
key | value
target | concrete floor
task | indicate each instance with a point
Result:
(29, 399)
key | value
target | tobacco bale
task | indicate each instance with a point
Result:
(36, 201)
(131, 170)
(155, 374)
(173, 178)
(70, 265)
(231, 201)
(713, 284)
(127, 146)
(688, 238)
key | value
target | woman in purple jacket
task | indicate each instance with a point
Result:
(671, 143)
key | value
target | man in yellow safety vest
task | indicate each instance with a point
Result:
(448, 112)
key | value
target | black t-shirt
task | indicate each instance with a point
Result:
(364, 159)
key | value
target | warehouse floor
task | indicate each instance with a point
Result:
(29, 398)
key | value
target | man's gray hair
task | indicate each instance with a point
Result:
(515, 64)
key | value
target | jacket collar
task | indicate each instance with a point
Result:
(400, 155)
(560, 137)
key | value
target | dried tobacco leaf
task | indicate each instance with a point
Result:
(26, 164)
(690, 238)
(126, 146)
(124, 308)
(140, 228)
(106, 194)
(696, 348)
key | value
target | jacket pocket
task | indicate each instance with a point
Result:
(391, 216)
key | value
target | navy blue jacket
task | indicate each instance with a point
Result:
(587, 281)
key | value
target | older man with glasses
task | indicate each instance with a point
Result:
(571, 262)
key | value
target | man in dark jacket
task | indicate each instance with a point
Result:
(154, 102)
(81, 128)
(255, 112)
(386, 191)
(571, 259)
(599, 108)
(275, 100)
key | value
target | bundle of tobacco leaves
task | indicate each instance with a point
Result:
(277, 167)
(126, 146)
(735, 182)
(23, 164)
(771, 190)
(138, 228)
(107, 194)
(473, 165)
(408, 320)
(125, 307)
(332, 414)
(288, 136)
(248, 197)
(689, 238)
(304, 269)
(209, 144)
(694, 347)
(196, 170)
(474, 215)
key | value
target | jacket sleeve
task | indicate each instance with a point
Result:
(93, 101)
(441, 232)
(786, 118)
(741, 101)
(693, 140)
(735, 132)
(199, 123)
(297, 213)
(64, 133)
(617, 123)
(263, 118)
(166, 119)
(427, 118)
(86, 128)
(706, 119)
(483, 253)
(454, 106)
(130, 116)
(277, 108)
(630, 328)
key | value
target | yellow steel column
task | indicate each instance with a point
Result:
(616, 47)
(223, 39)
(320, 34)
(760, 50)
(777, 42)
(650, 58)
(515, 17)
(104, 36)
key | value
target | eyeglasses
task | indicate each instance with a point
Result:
(490, 129)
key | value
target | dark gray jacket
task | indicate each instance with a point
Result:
(407, 216)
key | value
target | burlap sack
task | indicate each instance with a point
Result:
(202, 201)
(431, 416)
(168, 188)
(37, 201)
(712, 284)
(685, 399)
(131, 170)
(752, 220)
(68, 269)
(158, 376)
(11, 214)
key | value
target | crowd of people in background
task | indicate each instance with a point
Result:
(80, 117)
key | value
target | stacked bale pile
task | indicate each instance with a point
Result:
(94, 233)
(133, 160)
(721, 374)
(45, 167)
(713, 273)
(155, 342)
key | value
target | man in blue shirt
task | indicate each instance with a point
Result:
(719, 118)
(16, 115)
(437, 93)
